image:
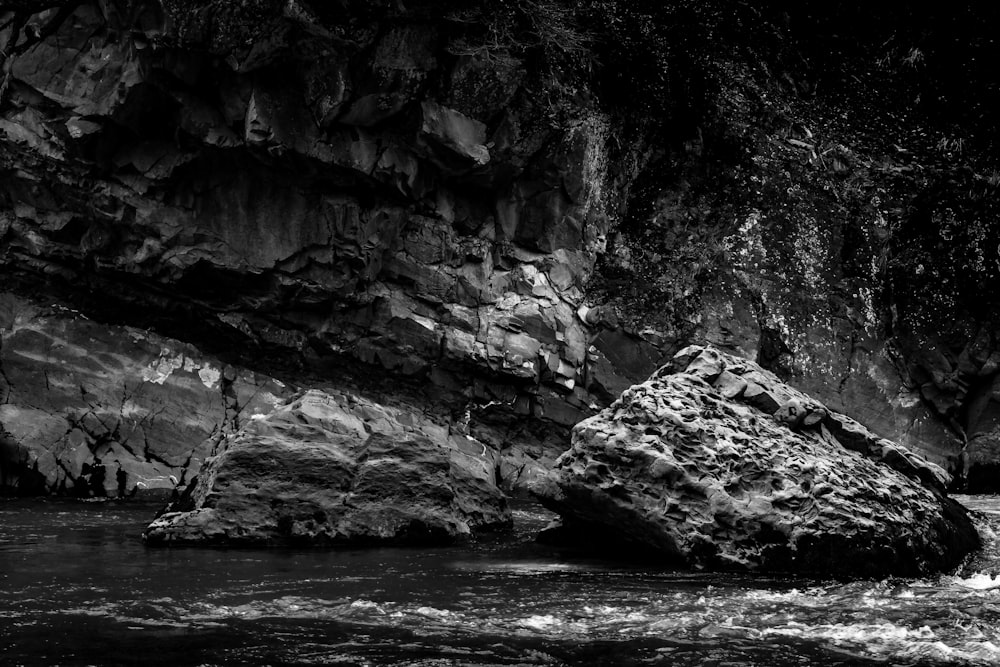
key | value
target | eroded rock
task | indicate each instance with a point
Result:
(349, 208)
(330, 469)
(675, 468)
(95, 410)
(387, 197)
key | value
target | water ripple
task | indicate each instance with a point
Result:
(509, 602)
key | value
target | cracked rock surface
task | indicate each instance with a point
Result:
(95, 410)
(327, 189)
(334, 468)
(356, 198)
(715, 463)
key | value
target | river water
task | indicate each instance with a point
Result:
(77, 587)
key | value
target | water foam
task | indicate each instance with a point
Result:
(979, 581)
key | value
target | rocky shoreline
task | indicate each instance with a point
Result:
(713, 463)
(451, 245)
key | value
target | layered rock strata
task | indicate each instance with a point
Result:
(715, 463)
(349, 212)
(89, 409)
(93, 410)
(338, 470)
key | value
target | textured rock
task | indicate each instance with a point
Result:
(386, 204)
(370, 188)
(89, 409)
(675, 468)
(797, 410)
(95, 410)
(336, 469)
(982, 462)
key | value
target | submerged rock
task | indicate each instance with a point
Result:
(715, 463)
(336, 469)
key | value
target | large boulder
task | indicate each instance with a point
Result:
(336, 469)
(715, 463)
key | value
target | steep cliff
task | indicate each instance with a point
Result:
(314, 200)
(832, 216)
(511, 210)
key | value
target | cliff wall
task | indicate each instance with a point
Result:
(466, 206)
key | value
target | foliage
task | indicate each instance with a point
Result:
(858, 136)
(225, 25)
(520, 26)
(945, 266)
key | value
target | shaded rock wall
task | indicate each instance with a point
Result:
(108, 411)
(365, 198)
(374, 192)
(96, 410)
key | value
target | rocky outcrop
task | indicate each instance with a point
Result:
(715, 463)
(335, 469)
(95, 410)
(89, 409)
(365, 200)
(411, 196)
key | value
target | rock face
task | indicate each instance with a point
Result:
(383, 187)
(88, 409)
(95, 410)
(336, 470)
(350, 197)
(714, 463)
